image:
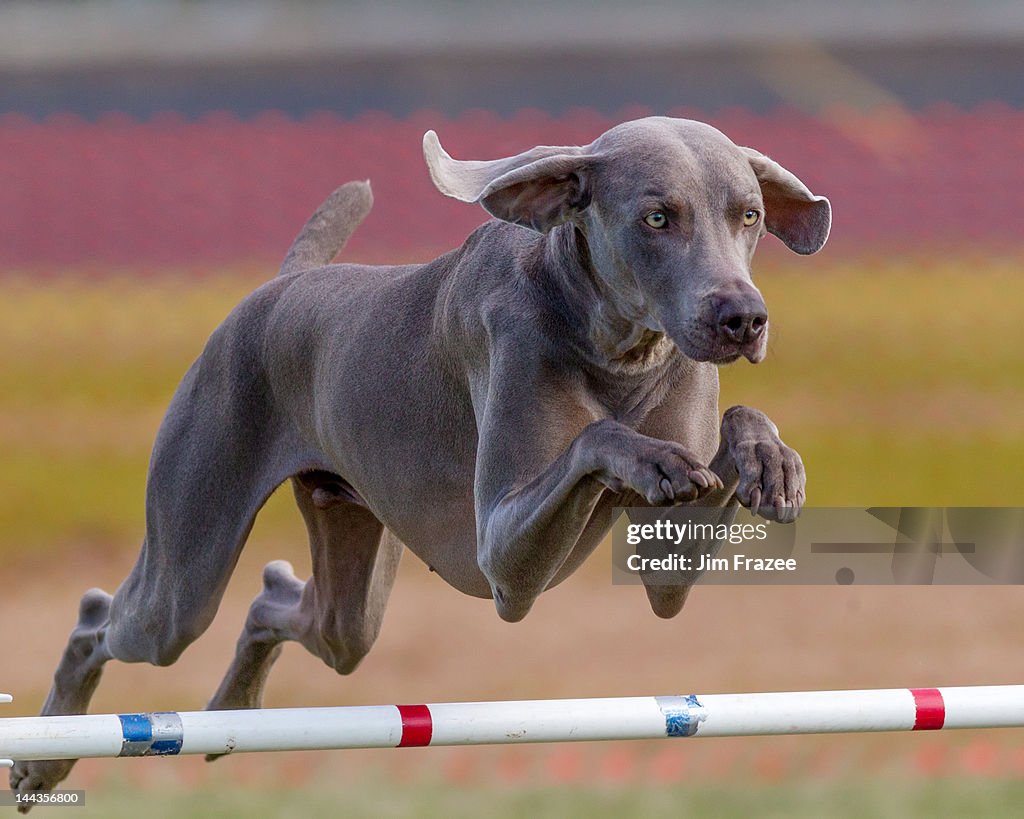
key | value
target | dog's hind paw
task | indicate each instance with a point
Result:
(38, 776)
(280, 585)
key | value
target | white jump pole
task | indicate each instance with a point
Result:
(497, 723)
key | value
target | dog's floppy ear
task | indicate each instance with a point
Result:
(794, 214)
(538, 189)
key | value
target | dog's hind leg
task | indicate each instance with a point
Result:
(214, 464)
(336, 614)
(75, 680)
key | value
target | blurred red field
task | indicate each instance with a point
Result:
(169, 192)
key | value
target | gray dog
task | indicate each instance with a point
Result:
(487, 409)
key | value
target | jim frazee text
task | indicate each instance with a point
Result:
(668, 532)
(706, 563)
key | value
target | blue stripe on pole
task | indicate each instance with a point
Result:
(155, 734)
(682, 714)
(136, 727)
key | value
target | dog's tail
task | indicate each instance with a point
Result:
(327, 231)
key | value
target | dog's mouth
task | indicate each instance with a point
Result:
(702, 343)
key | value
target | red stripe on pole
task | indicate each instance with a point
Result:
(931, 710)
(417, 727)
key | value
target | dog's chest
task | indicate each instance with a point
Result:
(629, 398)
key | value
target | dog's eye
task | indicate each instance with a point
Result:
(656, 219)
(751, 217)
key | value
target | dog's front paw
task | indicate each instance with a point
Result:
(665, 474)
(772, 482)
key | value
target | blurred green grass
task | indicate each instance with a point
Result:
(900, 380)
(855, 799)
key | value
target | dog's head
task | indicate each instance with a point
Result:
(671, 211)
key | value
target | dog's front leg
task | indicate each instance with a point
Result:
(530, 517)
(758, 469)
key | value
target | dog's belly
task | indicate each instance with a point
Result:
(447, 543)
(444, 537)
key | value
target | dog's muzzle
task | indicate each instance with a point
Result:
(737, 320)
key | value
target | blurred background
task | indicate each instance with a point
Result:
(156, 159)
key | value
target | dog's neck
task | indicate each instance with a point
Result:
(613, 330)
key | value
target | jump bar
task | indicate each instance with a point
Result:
(496, 723)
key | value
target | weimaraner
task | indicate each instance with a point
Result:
(487, 409)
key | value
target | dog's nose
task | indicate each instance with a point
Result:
(742, 321)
